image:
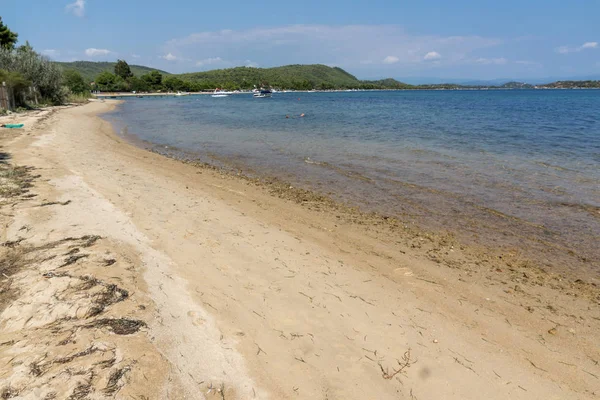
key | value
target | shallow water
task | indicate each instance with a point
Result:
(518, 168)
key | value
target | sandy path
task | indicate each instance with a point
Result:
(274, 300)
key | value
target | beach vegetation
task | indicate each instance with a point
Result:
(173, 83)
(8, 38)
(44, 76)
(108, 82)
(153, 79)
(138, 85)
(74, 81)
(17, 83)
(78, 98)
(123, 70)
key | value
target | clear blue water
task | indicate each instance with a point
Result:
(517, 168)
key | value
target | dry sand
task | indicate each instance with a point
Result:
(130, 275)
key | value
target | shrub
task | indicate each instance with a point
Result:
(45, 77)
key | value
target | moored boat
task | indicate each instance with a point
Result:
(262, 93)
(221, 93)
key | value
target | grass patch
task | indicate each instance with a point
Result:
(12, 260)
(14, 180)
(78, 98)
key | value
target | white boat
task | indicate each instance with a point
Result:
(262, 93)
(182, 94)
(221, 93)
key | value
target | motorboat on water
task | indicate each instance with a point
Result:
(221, 93)
(182, 94)
(262, 93)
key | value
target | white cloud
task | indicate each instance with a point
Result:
(491, 61)
(249, 63)
(210, 61)
(77, 8)
(51, 53)
(92, 52)
(348, 46)
(585, 46)
(528, 63)
(135, 56)
(169, 57)
(432, 55)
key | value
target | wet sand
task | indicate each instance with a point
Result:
(239, 289)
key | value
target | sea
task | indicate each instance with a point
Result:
(517, 170)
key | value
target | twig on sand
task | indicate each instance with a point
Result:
(334, 295)
(359, 297)
(259, 349)
(405, 363)
(464, 365)
(535, 366)
(427, 280)
(594, 375)
(305, 295)
(52, 203)
(222, 391)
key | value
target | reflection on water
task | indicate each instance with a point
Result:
(508, 168)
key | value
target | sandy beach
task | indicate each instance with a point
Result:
(130, 275)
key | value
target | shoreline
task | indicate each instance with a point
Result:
(262, 291)
(113, 95)
(500, 235)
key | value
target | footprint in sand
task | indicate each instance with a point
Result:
(196, 319)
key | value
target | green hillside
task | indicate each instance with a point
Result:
(89, 69)
(300, 77)
(388, 83)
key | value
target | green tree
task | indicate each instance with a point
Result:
(74, 81)
(154, 80)
(106, 81)
(138, 84)
(8, 38)
(174, 83)
(122, 69)
(18, 84)
(44, 75)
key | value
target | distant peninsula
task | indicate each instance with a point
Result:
(288, 77)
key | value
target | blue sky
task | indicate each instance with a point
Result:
(371, 39)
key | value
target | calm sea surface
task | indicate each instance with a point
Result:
(518, 168)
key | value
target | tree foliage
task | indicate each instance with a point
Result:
(74, 81)
(89, 70)
(153, 79)
(17, 83)
(122, 70)
(8, 38)
(44, 75)
(297, 77)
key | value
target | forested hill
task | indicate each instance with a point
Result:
(299, 77)
(89, 70)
